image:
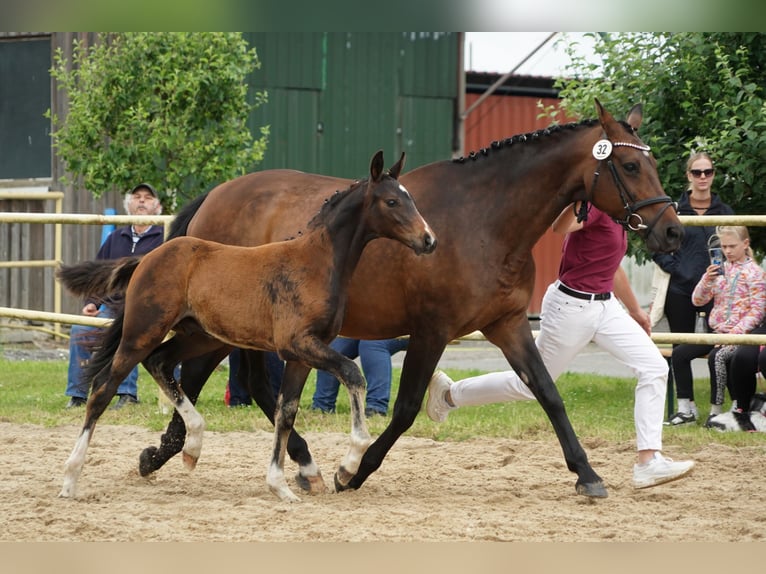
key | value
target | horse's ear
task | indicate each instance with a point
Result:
(635, 116)
(603, 116)
(376, 166)
(396, 169)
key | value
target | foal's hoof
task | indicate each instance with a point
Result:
(146, 461)
(311, 484)
(342, 480)
(592, 489)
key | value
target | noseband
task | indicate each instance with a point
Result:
(633, 220)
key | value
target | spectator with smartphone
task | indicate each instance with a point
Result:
(737, 289)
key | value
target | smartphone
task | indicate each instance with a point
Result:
(717, 258)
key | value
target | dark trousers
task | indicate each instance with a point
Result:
(745, 364)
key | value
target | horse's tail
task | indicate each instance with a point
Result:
(181, 221)
(99, 277)
(103, 344)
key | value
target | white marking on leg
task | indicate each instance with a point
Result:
(275, 478)
(360, 439)
(74, 464)
(195, 427)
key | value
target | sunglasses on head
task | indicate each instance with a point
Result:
(700, 172)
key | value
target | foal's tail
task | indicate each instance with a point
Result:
(98, 278)
(104, 345)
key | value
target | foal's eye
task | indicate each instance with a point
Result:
(631, 167)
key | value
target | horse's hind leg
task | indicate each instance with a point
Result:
(161, 364)
(253, 376)
(105, 386)
(194, 373)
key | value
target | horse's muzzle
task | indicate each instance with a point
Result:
(428, 244)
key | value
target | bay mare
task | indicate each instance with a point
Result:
(287, 297)
(488, 210)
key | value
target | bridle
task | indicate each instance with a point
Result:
(633, 220)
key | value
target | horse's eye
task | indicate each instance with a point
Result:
(392, 203)
(631, 167)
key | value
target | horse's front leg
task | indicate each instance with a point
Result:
(253, 376)
(528, 364)
(287, 407)
(422, 356)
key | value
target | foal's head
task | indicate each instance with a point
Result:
(389, 210)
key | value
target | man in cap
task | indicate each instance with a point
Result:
(135, 239)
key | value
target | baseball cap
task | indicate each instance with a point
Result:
(144, 186)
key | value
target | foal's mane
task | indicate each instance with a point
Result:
(330, 203)
(534, 137)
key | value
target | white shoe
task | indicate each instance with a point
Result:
(437, 406)
(660, 470)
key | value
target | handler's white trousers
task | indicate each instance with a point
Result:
(567, 325)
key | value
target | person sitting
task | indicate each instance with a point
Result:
(123, 241)
(738, 290)
(375, 356)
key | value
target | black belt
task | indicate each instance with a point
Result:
(587, 296)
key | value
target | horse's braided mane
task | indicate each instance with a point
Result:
(533, 136)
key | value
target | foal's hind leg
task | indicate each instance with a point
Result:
(161, 364)
(105, 386)
(194, 374)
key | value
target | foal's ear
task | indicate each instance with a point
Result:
(397, 168)
(635, 116)
(376, 166)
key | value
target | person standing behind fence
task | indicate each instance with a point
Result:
(687, 265)
(123, 241)
(738, 295)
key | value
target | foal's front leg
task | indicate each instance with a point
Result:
(350, 375)
(293, 380)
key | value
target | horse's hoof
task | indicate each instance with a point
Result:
(311, 484)
(146, 461)
(190, 462)
(592, 489)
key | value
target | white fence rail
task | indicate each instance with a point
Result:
(95, 219)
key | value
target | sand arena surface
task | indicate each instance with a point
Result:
(479, 490)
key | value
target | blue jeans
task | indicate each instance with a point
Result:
(376, 364)
(239, 396)
(78, 356)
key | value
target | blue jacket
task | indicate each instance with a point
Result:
(687, 265)
(119, 243)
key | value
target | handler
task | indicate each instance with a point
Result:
(579, 308)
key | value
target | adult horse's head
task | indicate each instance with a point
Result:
(625, 183)
(391, 210)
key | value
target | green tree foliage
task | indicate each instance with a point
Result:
(701, 91)
(168, 108)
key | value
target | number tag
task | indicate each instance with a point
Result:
(602, 149)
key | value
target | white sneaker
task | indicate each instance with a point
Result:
(437, 406)
(660, 470)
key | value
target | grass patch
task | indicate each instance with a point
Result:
(600, 409)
